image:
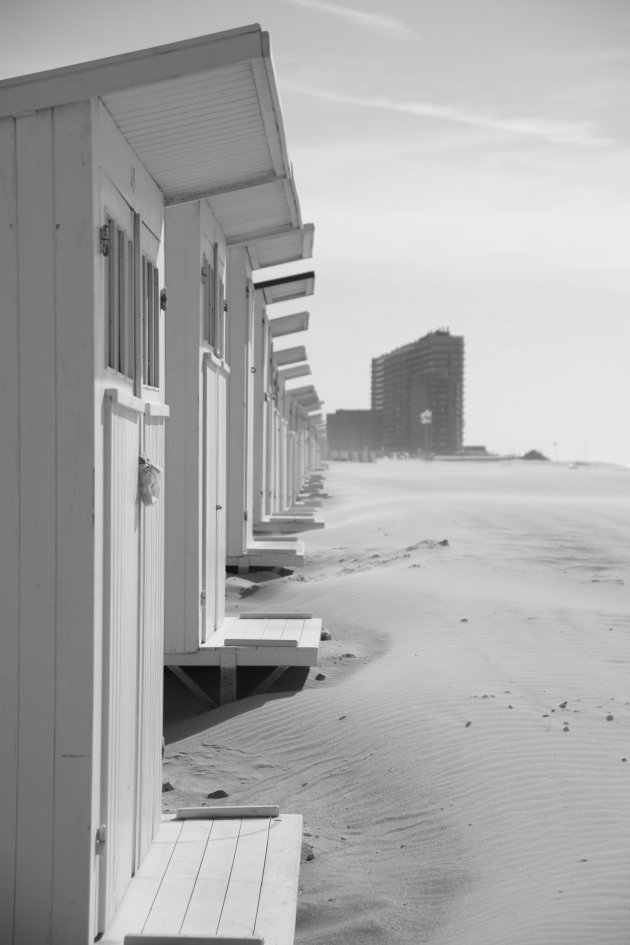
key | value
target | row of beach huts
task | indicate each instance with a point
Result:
(150, 439)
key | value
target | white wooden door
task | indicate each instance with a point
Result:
(221, 447)
(209, 496)
(120, 657)
(214, 494)
(150, 648)
(132, 554)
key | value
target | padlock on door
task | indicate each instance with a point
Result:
(150, 478)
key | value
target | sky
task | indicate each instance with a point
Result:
(466, 164)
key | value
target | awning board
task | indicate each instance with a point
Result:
(278, 248)
(288, 324)
(298, 370)
(286, 288)
(298, 392)
(289, 355)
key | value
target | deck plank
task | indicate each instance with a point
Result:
(277, 905)
(206, 902)
(171, 902)
(241, 901)
(132, 913)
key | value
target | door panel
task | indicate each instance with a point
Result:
(150, 652)
(132, 562)
(214, 495)
(221, 448)
(120, 656)
(209, 498)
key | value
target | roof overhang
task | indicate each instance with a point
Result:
(297, 370)
(277, 248)
(204, 118)
(289, 356)
(299, 392)
(286, 288)
(288, 324)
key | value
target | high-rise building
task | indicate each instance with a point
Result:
(426, 375)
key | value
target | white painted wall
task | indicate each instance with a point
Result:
(52, 517)
(196, 436)
(240, 402)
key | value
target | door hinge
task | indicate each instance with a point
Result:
(104, 234)
(202, 598)
(101, 839)
(204, 273)
(245, 515)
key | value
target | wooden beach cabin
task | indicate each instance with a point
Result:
(270, 517)
(249, 218)
(89, 157)
(244, 550)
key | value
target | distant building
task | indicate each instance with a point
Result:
(350, 430)
(426, 375)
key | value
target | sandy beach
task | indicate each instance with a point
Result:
(464, 767)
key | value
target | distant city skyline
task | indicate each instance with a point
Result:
(465, 164)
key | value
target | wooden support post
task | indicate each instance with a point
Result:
(192, 686)
(269, 680)
(228, 675)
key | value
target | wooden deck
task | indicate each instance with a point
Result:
(288, 523)
(259, 639)
(210, 875)
(269, 554)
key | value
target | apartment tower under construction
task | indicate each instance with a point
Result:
(418, 396)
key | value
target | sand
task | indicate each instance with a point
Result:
(464, 767)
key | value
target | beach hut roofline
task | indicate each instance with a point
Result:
(288, 324)
(202, 115)
(289, 355)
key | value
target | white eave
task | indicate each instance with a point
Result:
(277, 248)
(289, 356)
(299, 392)
(296, 370)
(288, 324)
(204, 118)
(287, 288)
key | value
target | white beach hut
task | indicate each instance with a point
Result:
(244, 551)
(89, 157)
(271, 519)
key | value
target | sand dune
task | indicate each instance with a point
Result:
(461, 767)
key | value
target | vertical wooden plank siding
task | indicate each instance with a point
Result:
(278, 458)
(238, 355)
(258, 381)
(221, 464)
(249, 414)
(137, 271)
(9, 521)
(183, 434)
(151, 651)
(210, 496)
(122, 510)
(37, 548)
(75, 255)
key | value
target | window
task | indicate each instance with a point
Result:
(133, 307)
(150, 323)
(119, 300)
(213, 315)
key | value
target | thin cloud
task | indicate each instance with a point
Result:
(381, 22)
(578, 134)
